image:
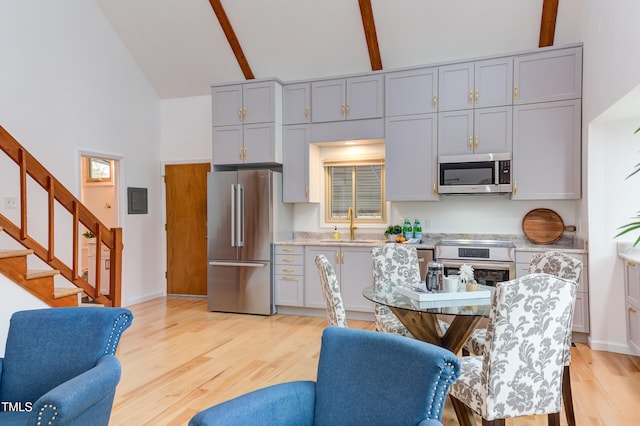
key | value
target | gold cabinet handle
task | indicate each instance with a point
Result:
(244, 114)
(516, 94)
(632, 310)
(435, 101)
(241, 153)
(348, 110)
(477, 96)
(470, 143)
(337, 258)
(288, 278)
(515, 187)
(244, 153)
(289, 250)
(240, 114)
(342, 110)
(470, 97)
(476, 142)
(288, 259)
(434, 189)
(306, 113)
(343, 258)
(306, 192)
(288, 270)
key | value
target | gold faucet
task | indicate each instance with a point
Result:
(352, 228)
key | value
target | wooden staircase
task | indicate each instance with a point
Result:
(13, 263)
(40, 283)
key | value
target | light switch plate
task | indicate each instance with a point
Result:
(10, 202)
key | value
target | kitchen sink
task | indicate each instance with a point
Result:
(343, 241)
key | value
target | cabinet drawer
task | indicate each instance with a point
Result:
(289, 259)
(299, 250)
(284, 269)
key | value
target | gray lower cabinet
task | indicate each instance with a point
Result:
(289, 275)
(632, 303)
(410, 158)
(354, 268)
(475, 131)
(581, 309)
(546, 151)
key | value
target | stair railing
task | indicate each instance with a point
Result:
(57, 193)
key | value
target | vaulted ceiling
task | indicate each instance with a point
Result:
(185, 46)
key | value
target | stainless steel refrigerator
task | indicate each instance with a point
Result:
(245, 216)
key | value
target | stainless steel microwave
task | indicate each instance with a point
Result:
(474, 173)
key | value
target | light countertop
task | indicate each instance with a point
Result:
(628, 252)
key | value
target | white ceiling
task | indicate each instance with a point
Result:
(181, 48)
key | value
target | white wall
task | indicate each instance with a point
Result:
(68, 85)
(611, 70)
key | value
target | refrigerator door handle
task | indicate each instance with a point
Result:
(240, 214)
(233, 215)
(246, 264)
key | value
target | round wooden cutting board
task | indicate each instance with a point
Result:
(543, 226)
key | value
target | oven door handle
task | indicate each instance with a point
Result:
(502, 266)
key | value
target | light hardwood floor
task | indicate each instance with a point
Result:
(178, 358)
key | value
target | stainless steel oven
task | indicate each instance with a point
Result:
(492, 261)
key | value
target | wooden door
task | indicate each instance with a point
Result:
(186, 193)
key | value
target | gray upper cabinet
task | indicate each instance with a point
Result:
(247, 103)
(410, 158)
(300, 166)
(411, 92)
(478, 84)
(548, 76)
(247, 125)
(480, 131)
(546, 151)
(296, 104)
(347, 99)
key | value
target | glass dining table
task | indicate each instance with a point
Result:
(421, 317)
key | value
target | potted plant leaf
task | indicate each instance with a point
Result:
(393, 231)
(635, 225)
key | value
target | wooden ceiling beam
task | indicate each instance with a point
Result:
(370, 33)
(548, 22)
(232, 39)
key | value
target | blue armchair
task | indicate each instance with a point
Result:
(59, 366)
(364, 377)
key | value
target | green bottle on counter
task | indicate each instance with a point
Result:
(417, 230)
(407, 230)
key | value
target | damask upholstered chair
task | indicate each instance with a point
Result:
(336, 314)
(59, 366)
(394, 265)
(527, 341)
(560, 265)
(363, 378)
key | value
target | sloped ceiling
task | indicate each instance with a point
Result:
(182, 49)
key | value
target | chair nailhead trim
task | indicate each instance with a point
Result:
(441, 397)
(41, 412)
(116, 331)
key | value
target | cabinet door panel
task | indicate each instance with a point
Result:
(493, 130)
(493, 82)
(295, 169)
(227, 145)
(259, 143)
(411, 92)
(328, 100)
(455, 87)
(455, 132)
(546, 151)
(365, 97)
(632, 283)
(548, 76)
(297, 103)
(259, 102)
(289, 290)
(410, 158)
(313, 297)
(227, 105)
(633, 327)
(356, 273)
